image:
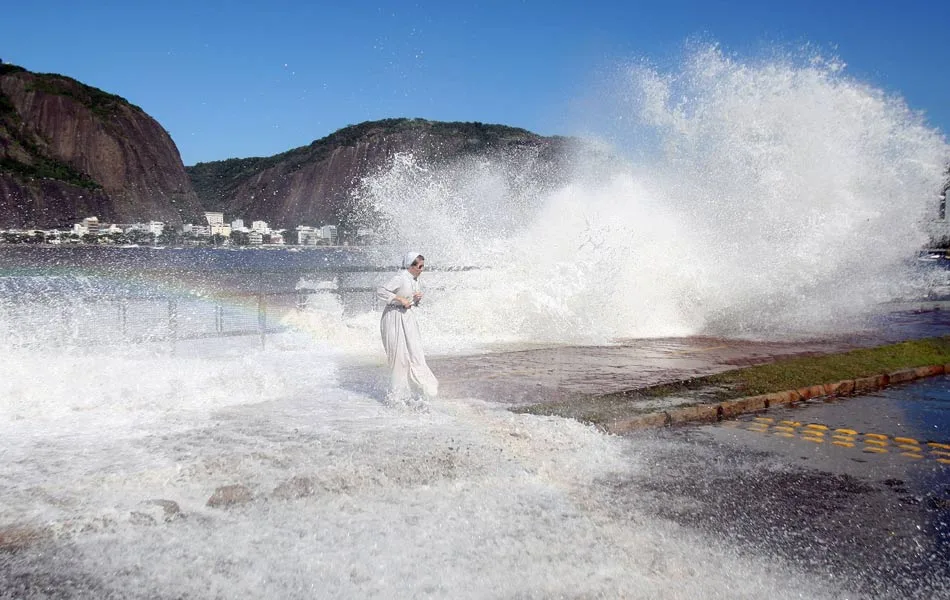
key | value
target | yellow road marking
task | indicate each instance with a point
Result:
(843, 437)
(876, 443)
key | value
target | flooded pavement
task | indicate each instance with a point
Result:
(854, 490)
(850, 489)
(558, 374)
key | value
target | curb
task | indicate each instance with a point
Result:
(733, 408)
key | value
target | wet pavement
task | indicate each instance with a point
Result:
(852, 490)
(559, 374)
(848, 489)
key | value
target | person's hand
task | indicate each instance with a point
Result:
(406, 302)
(417, 298)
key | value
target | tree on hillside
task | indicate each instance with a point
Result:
(240, 238)
(170, 237)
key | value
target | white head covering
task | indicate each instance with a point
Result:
(409, 258)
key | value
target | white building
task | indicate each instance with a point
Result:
(238, 225)
(156, 228)
(88, 225)
(255, 238)
(260, 226)
(214, 218)
(196, 229)
(328, 232)
(308, 236)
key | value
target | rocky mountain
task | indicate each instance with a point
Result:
(315, 184)
(69, 151)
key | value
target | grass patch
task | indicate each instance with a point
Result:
(801, 372)
(783, 374)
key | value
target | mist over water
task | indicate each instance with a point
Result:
(748, 198)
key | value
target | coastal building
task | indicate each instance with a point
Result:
(89, 225)
(201, 230)
(255, 238)
(260, 226)
(220, 229)
(238, 225)
(214, 218)
(308, 236)
(329, 234)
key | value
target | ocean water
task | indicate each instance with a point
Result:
(766, 198)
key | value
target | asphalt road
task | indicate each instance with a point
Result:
(853, 490)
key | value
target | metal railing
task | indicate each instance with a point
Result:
(215, 305)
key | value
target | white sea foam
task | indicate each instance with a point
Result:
(757, 198)
(462, 499)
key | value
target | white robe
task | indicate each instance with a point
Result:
(400, 332)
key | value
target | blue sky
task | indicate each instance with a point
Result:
(237, 79)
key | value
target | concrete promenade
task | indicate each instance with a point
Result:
(561, 374)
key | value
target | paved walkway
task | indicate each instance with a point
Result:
(562, 373)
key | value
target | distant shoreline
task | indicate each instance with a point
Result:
(222, 248)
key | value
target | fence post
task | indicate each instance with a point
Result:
(262, 318)
(124, 317)
(173, 322)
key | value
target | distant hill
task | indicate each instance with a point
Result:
(313, 184)
(68, 151)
